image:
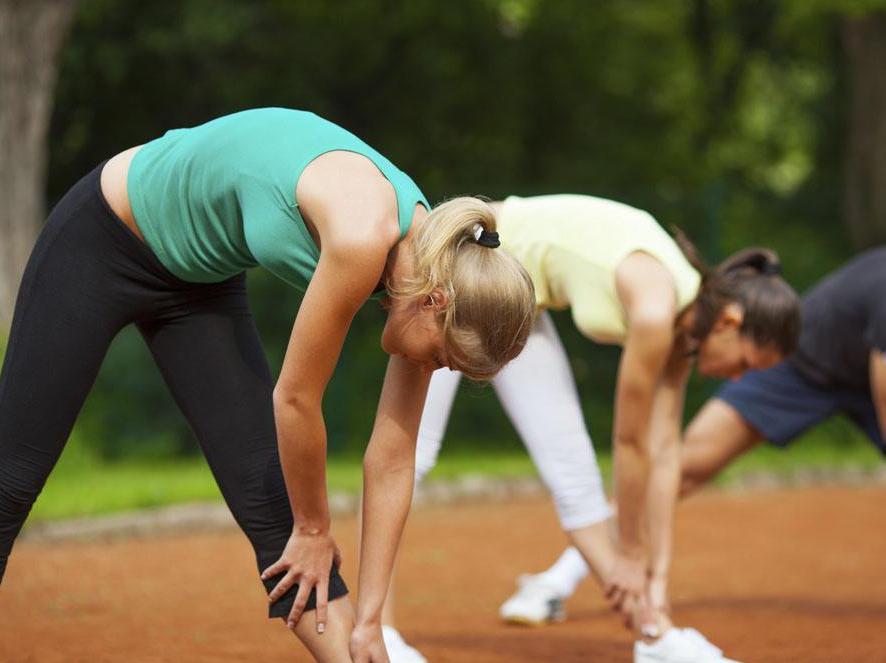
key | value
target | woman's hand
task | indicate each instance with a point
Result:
(367, 644)
(307, 559)
(626, 586)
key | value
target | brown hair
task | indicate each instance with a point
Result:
(491, 297)
(752, 279)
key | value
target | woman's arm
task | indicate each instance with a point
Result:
(647, 293)
(664, 479)
(388, 478)
(348, 269)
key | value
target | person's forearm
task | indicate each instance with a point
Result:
(664, 482)
(880, 407)
(632, 474)
(301, 435)
(387, 495)
(877, 377)
(634, 397)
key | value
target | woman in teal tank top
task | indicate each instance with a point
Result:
(160, 236)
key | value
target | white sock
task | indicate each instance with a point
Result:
(566, 573)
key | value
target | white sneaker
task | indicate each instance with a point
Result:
(398, 650)
(675, 647)
(535, 603)
(694, 636)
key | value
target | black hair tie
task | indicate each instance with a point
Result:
(488, 239)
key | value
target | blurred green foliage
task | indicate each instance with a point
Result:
(725, 117)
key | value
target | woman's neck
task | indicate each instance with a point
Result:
(400, 264)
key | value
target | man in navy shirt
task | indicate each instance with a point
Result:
(839, 368)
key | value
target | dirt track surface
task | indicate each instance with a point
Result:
(794, 575)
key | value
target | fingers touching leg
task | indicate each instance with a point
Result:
(332, 646)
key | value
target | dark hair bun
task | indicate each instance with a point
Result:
(748, 261)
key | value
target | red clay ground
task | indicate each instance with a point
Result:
(794, 575)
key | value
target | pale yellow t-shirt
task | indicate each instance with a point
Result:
(571, 246)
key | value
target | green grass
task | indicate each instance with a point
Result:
(82, 485)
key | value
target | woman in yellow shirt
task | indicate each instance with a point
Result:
(626, 282)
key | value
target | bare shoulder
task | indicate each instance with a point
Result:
(346, 198)
(646, 288)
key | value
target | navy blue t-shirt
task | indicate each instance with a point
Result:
(844, 319)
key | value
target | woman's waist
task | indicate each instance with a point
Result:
(115, 190)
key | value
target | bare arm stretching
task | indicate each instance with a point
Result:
(664, 481)
(352, 210)
(647, 294)
(332, 299)
(389, 475)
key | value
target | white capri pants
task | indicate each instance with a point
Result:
(538, 393)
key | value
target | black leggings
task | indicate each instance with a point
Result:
(88, 277)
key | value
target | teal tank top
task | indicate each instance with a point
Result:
(217, 199)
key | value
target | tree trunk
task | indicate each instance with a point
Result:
(864, 39)
(31, 35)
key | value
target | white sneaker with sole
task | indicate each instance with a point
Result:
(535, 603)
(675, 647)
(398, 650)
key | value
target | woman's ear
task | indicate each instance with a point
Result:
(436, 300)
(731, 317)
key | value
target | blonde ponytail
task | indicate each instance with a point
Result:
(491, 297)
